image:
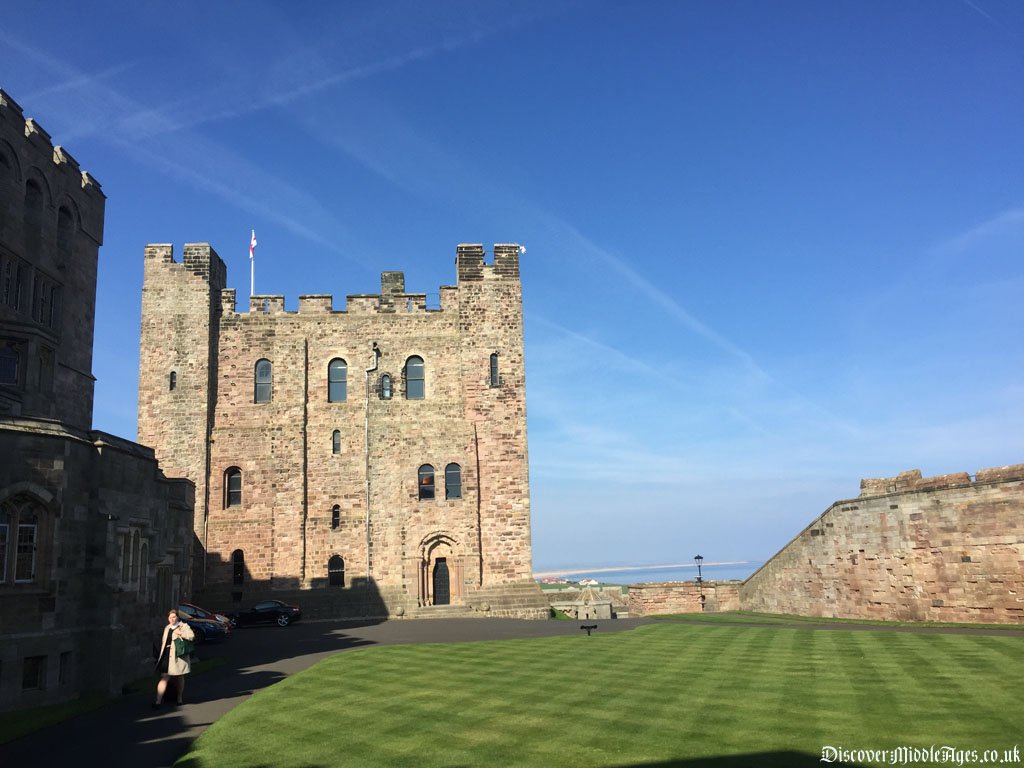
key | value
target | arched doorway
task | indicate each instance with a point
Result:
(440, 570)
(442, 582)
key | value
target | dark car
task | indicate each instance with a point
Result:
(206, 630)
(268, 612)
(192, 611)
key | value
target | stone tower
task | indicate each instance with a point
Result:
(51, 228)
(370, 460)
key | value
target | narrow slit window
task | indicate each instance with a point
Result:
(335, 517)
(172, 383)
(238, 567)
(494, 376)
(385, 387)
(336, 442)
(233, 487)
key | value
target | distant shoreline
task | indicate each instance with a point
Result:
(571, 571)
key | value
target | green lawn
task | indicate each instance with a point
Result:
(750, 617)
(659, 695)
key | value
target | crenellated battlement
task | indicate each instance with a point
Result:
(202, 261)
(471, 265)
(912, 480)
(198, 259)
(38, 138)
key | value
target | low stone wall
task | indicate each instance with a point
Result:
(948, 548)
(683, 597)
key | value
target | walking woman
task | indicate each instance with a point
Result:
(168, 665)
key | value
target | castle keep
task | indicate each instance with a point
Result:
(374, 457)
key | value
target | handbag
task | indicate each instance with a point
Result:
(183, 647)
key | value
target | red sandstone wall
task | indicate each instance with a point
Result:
(911, 548)
(683, 597)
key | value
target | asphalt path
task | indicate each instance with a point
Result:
(128, 732)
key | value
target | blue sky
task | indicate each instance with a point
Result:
(772, 248)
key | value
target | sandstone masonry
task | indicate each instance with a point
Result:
(948, 548)
(366, 461)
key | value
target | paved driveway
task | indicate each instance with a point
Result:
(128, 733)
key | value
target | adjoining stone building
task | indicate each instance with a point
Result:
(366, 461)
(94, 540)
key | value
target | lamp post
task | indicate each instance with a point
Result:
(698, 559)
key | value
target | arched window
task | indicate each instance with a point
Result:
(173, 382)
(233, 487)
(336, 571)
(415, 386)
(335, 517)
(426, 482)
(336, 442)
(264, 381)
(495, 378)
(238, 567)
(337, 380)
(453, 481)
(33, 219)
(385, 387)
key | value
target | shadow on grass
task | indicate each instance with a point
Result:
(139, 736)
(750, 760)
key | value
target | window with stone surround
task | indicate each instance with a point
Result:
(415, 378)
(426, 482)
(337, 381)
(233, 487)
(336, 442)
(336, 571)
(335, 517)
(10, 362)
(495, 378)
(172, 383)
(385, 386)
(23, 527)
(33, 673)
(264, 381)
(453, 481)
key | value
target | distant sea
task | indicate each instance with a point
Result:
(641, 575)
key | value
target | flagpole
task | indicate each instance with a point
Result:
(252, 264)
